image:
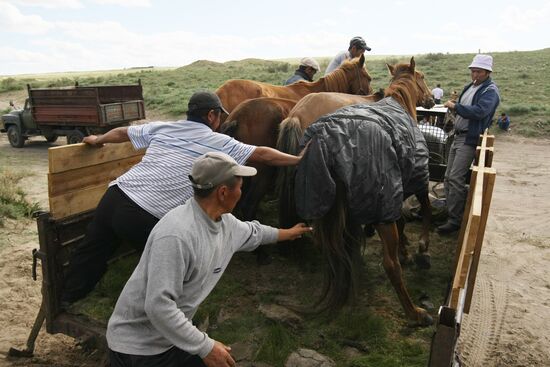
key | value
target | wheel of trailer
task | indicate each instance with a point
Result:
(75, 137)
(14, 136)
(50, 138)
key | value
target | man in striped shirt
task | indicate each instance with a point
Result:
(135, 202)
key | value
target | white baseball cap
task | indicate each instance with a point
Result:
(484, 62)
(311, 62)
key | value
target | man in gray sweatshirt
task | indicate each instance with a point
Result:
(185, 256)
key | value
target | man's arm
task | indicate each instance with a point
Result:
(293, 233)
(273, 157)
(117, 135)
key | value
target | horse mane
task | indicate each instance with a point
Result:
(401, 84)
(336, 81)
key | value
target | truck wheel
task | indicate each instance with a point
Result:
(50, 138)
(14, 136)
(75, 137)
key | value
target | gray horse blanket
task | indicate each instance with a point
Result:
(374, 150)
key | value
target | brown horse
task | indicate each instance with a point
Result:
(256, 122)
(306, 112)
(337, 231)
(351, 77)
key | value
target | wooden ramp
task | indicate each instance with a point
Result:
(79, 174)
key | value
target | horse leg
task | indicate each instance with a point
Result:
(422, 258)
(404, 257)
(390, 238)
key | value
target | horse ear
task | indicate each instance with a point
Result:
(412, 64)
(362, 60)
(391, 69)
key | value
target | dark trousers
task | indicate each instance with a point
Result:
(173, 357)
(116, 219)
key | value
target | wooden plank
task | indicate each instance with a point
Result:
(489, 179)
(68, 157)
(76, 201)
(76, 179)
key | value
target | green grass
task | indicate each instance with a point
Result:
(523, 79)
(13, 201)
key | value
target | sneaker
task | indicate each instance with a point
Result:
(448, 228)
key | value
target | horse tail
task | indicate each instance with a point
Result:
(339, 240)
(288, 141)
(229, 128)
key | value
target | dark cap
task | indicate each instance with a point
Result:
(204, 100)
(359, 42)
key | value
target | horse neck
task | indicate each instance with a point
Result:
(402, 90)
(335, 82)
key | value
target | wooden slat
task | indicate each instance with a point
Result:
(489, 179)
(77, 179)
(68, 157)
(74, 202)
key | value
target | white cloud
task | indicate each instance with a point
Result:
(12, 20)
(522, 19)
(51, 4)
(127, 3)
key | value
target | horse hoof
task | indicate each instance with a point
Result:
(422, 319)
(423, 260)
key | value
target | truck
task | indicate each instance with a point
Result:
(74, 112)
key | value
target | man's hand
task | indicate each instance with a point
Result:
(92, 140)
(293, 233)
(450, 104)
(219, 356)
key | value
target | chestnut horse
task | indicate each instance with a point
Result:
(337, 232)
(351, 77)
(306, 112)
(256, 122)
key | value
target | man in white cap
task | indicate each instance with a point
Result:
(474, 109)
(357, 47)
(185, 256)
(307, 69)
(135, 201)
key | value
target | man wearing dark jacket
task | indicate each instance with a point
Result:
(307, 69)
(475, 109)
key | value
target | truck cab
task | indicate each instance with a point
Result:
(16, 123)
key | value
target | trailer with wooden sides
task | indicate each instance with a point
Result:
(74, 112)
(77, 179)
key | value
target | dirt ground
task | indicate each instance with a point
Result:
(509, 324)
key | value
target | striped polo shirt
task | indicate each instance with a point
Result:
(160, 181)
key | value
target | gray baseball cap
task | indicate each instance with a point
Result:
(204, 100)
(214, 168)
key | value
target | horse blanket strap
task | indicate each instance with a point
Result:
(371, 150)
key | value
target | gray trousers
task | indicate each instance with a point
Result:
(459, 161)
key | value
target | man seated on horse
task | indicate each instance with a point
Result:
(307, 69)
(135, 201)
(357, 47)
(185, 256)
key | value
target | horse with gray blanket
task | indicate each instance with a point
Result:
(359, 162)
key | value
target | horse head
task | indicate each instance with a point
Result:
(357, 76)
(412, 81)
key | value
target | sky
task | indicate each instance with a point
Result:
(38, 36)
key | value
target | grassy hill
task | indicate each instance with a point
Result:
(523, 78)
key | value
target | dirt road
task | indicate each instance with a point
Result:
(509, 324)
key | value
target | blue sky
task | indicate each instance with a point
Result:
(72, 35)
